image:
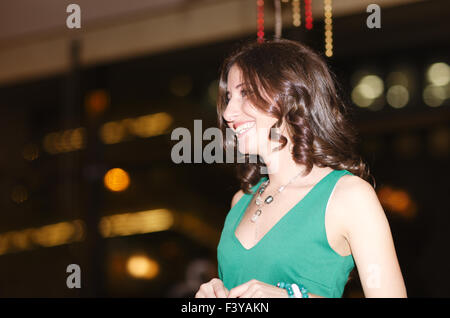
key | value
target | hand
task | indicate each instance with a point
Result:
(257, 289)
(212, 289)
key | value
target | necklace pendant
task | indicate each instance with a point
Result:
(269, 199)
(256, 215)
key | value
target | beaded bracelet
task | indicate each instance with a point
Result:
(287, 287)
(300, 291)
(294, 290)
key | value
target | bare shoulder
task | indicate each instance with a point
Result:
(355, 202)
(236, 197)
(353, 187)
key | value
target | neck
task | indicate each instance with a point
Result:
(281, 168)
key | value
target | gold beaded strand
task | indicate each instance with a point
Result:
(328, 28)
(296, 16)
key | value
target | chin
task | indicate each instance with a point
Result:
(247, 147)
(246, 151)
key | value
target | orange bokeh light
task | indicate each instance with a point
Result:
(116, 180)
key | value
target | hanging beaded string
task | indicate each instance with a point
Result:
(269, 199)
(328, 27)
(260, 20)
(308, 14)
(278, 22)
(296, 15)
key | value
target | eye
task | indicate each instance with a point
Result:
(246, 92)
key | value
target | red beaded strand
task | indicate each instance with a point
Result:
(308, 14)
(260, 20)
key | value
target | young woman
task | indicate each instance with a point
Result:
(306, 213)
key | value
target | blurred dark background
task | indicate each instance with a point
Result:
(86, 175)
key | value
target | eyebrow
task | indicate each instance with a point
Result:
(237, 86)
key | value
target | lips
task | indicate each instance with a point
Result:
(240, 123)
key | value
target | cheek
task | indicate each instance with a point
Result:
(261, 134)
(265, 125)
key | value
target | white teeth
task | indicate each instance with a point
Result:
(244, 127)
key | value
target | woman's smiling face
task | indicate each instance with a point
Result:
(250, 124)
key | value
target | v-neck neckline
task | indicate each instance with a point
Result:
(276, 225)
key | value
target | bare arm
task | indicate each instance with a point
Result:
(236, 197)
(367, 230)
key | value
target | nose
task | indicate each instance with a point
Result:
(231, 113)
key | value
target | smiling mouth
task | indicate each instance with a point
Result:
(242, 129)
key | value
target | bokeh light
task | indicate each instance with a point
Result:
(369, 88)
(112, 132)
(434, 95)
(437, 90)
(116, 180)
(397, 96)
(142, 267)
(58, 234)
(45, 236)
(96, 102)
(64, 141)
(397, 201)
(143, 126)
(136, 223)
(439, 74)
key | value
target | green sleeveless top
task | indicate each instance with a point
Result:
(295, 249)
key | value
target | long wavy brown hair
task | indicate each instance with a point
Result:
(301, 91)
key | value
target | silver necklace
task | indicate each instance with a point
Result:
(269, 199)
